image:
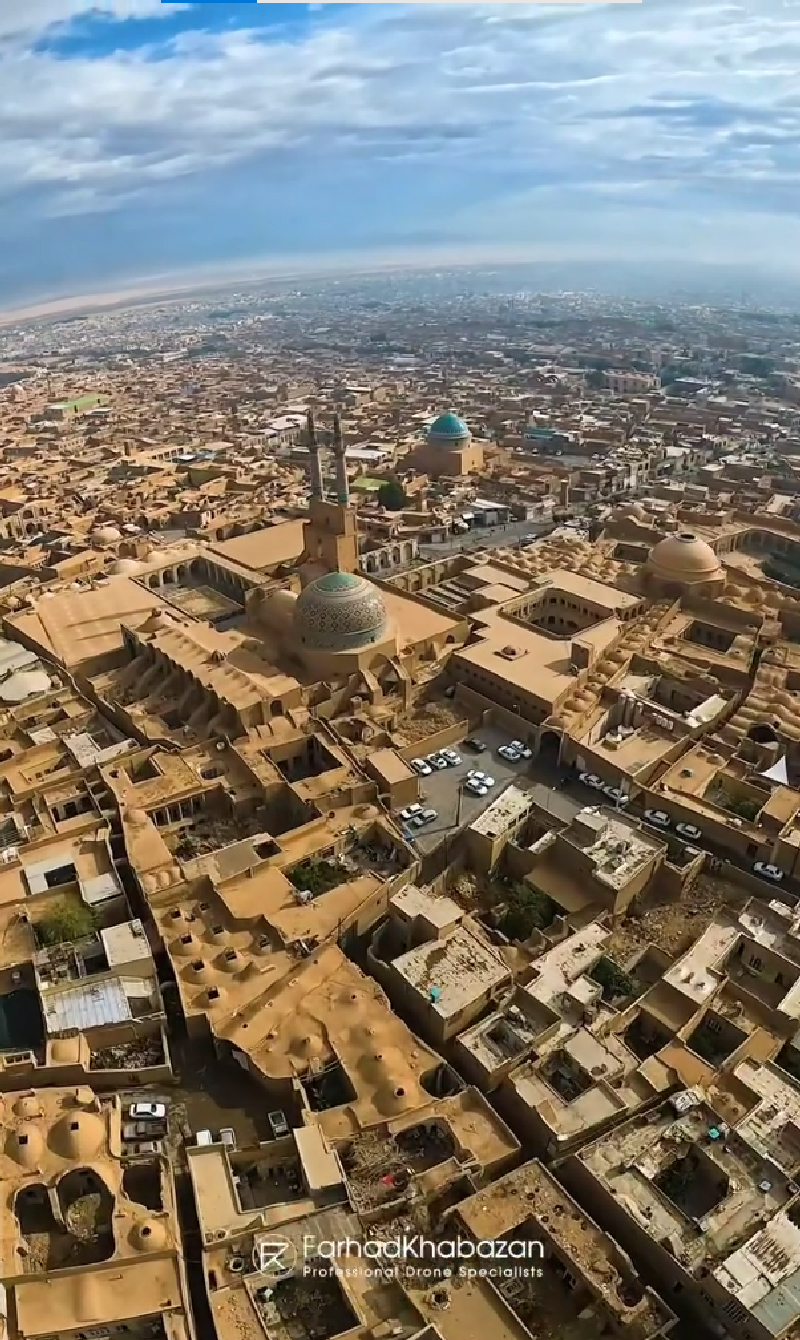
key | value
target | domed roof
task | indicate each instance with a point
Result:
(185, 945)
(341, 611)
(149, 1235)
(106, 534)
(684, 558)
(396, 1095)
(126, 567)
(200, 971)
(449, 428)
(230, 961)
(78, 1135)
(27, 1107)
(25, 1146)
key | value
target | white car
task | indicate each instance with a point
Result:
(428, 816)
(510, 755)
(437, 761)
(476, 788)
(614, 793)
(153, 1111)
(410, 811)
(768, 871)
(689, 832)
(488, 781)
(591, 779)
(419, 765)
(657, 818)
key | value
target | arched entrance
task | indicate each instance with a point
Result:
(550, 746)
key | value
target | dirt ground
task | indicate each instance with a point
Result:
(86, 1237)
(671, 927)
(426, 719)
(674, 926)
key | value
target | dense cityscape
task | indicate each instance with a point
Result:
(400, 834)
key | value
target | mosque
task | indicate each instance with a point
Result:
(334, 622)
(315, 629)
(448, 449)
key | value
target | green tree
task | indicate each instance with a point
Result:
(392, 495)
(526, 910)
(318, 876)
(595, 379)
(614, 981)
(66, 921)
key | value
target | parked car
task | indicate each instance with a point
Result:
(657, 818)
(476, 788)
(510, 755)
(767, 871)
(520, 747)
(475, 746)
(592, 780)
(437, 761)
(410, 811)
(428, 816)
(616, 794)
(422, 767)
(689, 832)
(138, 1130)
(278, 1124)
(150, 1111)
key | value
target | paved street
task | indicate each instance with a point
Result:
(456, 808)
(487, 537)
(558, 790)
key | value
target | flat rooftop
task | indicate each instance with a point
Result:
(455, 971)
(684, 1184)
(508, 809)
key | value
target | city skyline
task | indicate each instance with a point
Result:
(151, 140)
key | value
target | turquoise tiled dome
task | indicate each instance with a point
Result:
(448, 428)
(341, 611)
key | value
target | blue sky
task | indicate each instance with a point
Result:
(141, 139)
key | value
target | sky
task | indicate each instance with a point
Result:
(142, 139)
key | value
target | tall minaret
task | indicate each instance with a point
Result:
(342, 486)
(317, 491)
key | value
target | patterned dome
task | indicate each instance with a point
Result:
(448, 430)
(340, 612)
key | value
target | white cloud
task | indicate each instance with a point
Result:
(690, 96)
(31, 17)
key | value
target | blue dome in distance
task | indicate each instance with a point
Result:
(448, 427)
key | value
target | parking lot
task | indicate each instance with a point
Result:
(456, 808)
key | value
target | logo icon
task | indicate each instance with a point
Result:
(274, 1256)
